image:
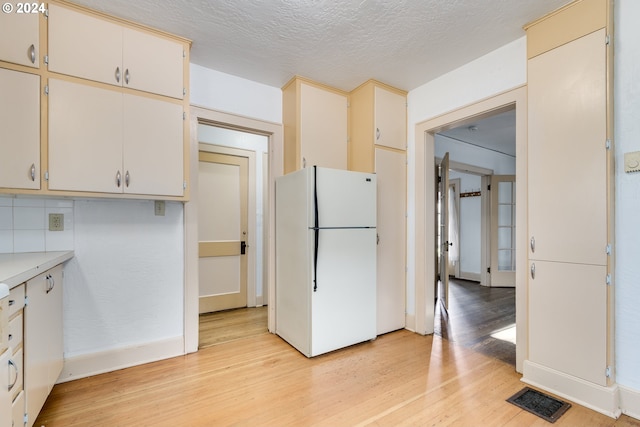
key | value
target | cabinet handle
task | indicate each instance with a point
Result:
(127, 178)
(533, 270)
(126, 76)
(11, 302)
(118, 179)
(533, 244)
(33, 172)
(51, 283)
(32, 54)
(15, 379)
(118, 74)
(377, 134)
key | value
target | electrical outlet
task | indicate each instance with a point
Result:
(159, 208)
(56, 222)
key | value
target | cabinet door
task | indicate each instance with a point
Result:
(323, 128)
(390, 119)
(19, 38)
(392, 182)
(83, 46)
(153, 147)
(43, 338)
(19, 130)
(85, 138)
(152, 64)
(6, 372)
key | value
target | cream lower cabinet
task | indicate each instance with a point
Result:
(43, 340)
(19, 130)
(20, 35)
(111, 53)
(391, 167)
(109, 142)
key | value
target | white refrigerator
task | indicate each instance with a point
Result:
(325, 259)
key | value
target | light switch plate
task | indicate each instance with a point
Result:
(56, 222)
(159, 208)
(632, 162)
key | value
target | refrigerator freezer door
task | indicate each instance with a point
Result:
(343, 307)
(345, 198)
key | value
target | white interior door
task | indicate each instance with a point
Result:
(443, 292)
(503, 230)
(222, 231)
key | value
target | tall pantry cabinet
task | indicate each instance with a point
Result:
(570, 192)
(109, 117)
(377, 143)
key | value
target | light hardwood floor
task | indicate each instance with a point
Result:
(399, 379)
(229, 325)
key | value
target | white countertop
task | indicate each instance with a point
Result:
(18, 268)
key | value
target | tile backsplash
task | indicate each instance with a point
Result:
(24, 224)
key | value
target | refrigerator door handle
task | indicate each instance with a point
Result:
(316, 228)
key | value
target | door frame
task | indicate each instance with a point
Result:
(423, 255)
(275, 134)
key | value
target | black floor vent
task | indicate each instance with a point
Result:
(546, 407)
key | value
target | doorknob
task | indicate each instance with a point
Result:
(243, 247)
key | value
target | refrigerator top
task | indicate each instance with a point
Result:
(341, 199)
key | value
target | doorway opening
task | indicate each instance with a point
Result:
(424, 265)
(475, 207)
(232, 234)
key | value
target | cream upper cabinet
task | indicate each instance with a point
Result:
(19, 130)
(390, 113)
(85, 138)
(153, 149)
(378, 117)
(105, 141)
(315, 126)
(111, 53)
(20, 37)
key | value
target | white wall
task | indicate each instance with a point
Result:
(223, 92)
(627, 139)
(498, 71)
(470, 219)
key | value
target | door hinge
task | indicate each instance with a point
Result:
(607, 372)
(46, 59)
(439, 179)
(489, 187)
(608, 249)
(46, 175)
(489, 270)
(607, 144)
(46, 89)
(608, 280)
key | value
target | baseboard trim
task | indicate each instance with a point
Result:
(630, 402)
(410, 322)
(475, 277)
(601, 399)
(119, 358)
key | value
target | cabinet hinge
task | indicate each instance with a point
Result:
(46, 59)
(184, 53)
(607, 372)
(184, 184)
(607, 144)
(184, 115)
(607, 39)
(608, 280)
(26, 301)
(184, 91)
(608, 249)
(46, 90)
(26, 418)
(46, 175)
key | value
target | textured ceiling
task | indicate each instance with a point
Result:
(342, 43)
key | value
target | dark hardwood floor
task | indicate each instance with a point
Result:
(479, 318)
